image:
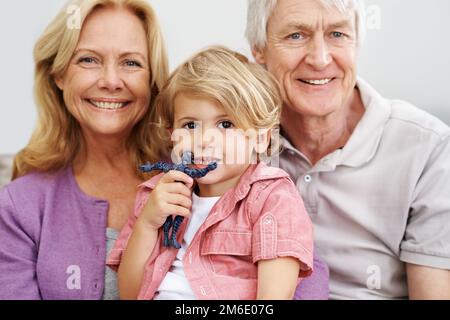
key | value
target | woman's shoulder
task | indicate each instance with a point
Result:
(36, 182)
(35, 189)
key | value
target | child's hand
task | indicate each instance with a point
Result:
(171, 196)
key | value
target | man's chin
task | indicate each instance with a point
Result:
(315, 107)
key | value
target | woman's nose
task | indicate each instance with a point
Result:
(111, 78)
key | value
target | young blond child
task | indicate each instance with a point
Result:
(246, 234)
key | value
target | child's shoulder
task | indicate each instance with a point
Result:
(266, 180)
(267, 174)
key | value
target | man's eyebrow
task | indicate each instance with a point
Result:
(340, 24)
(299, 25)
(305, 26)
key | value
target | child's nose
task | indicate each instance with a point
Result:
(210, 138)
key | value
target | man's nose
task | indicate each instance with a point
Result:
(318, 56)
(111, 78)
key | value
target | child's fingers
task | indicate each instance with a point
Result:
(178, 188)
(177, 211)
(180, 200)
(177, 176)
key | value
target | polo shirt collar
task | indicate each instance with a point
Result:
(366, 138)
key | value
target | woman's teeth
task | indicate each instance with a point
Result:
(108, 105)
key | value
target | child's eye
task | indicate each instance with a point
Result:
(225, 124)
(190, 125)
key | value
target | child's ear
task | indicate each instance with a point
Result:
(263, 141)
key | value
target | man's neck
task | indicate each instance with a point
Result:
(316, 137)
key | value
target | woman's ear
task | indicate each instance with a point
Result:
(59, 82)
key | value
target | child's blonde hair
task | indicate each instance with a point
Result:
(247, 92)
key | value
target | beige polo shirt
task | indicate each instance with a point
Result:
(381, 201)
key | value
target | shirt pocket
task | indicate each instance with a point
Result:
(230, 253)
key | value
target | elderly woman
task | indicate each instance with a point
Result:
(374, 173)
(75, 182)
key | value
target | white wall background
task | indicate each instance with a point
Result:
(407, 58)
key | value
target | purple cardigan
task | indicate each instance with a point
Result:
(53, 242)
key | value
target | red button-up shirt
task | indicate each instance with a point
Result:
(261, 218)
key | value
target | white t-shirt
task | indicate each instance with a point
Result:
(175, 285)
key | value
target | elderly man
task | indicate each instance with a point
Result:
(374, 173)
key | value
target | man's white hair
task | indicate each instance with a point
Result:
(259, 12)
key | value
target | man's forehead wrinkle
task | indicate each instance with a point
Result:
(292, 15)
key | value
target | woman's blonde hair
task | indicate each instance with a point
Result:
(246, 91)
(58, 137)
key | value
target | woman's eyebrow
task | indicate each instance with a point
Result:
(133, 53)
(84, 49)
(121, 55)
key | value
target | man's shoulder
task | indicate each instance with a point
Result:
(411, 116)
(402, 114)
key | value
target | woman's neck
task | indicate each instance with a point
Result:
(99, 156)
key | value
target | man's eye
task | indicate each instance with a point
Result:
(295, 36)
(337, 34)
(225, 125)
(190, 126)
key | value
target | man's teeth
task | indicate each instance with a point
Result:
(318, 82)
(108, 105)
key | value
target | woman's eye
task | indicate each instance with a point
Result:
(190, 126)
(132, 63)
(88, 60)
(225, 125)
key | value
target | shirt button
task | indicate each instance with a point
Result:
(308, 178)
(268, 220)
(203, 291)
